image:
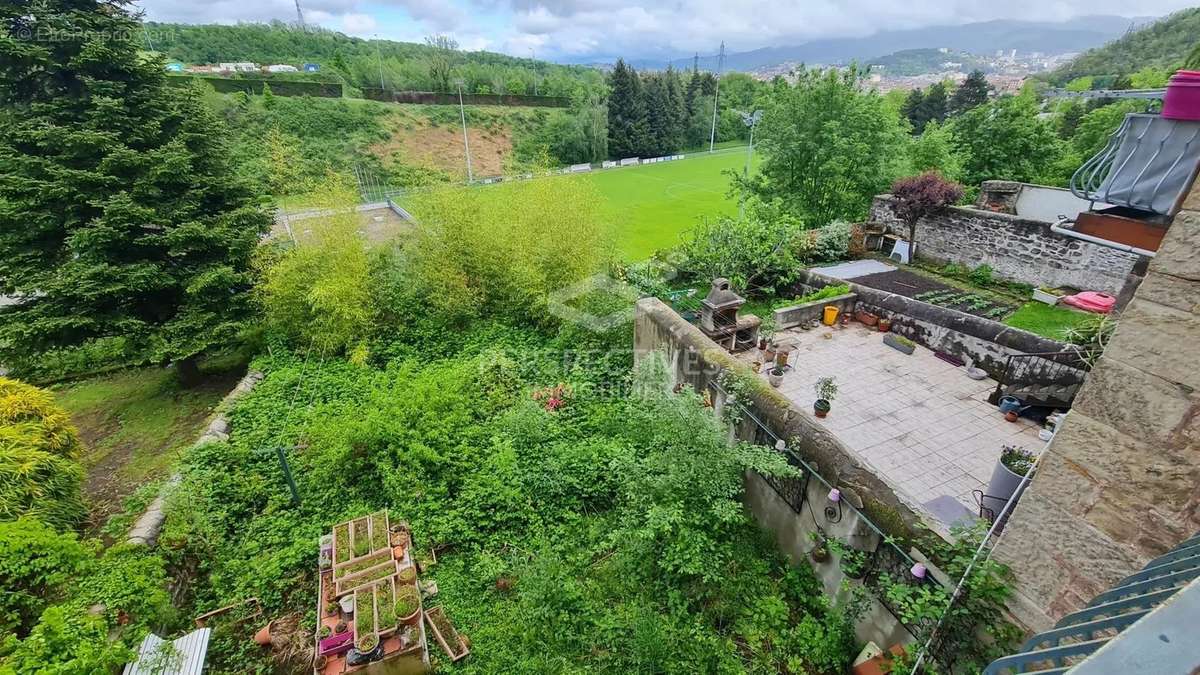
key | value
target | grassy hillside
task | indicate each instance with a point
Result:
(921, 61)
(282, 144)
(363, 63)
(1162, 45)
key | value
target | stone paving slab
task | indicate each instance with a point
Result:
(920, 423)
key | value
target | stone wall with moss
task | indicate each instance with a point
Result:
(1120, 483)
(697, 361)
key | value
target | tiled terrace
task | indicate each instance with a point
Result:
(918, 422)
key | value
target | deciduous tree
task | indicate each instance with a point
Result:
(920, 196)
(827, 148)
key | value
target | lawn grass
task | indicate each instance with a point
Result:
(1049, 321)
(134, 424)
(651, 205)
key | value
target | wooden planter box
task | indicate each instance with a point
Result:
(368, 534)
(445, 634)
(366, 572)
(372, 605)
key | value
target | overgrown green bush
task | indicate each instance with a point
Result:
(318, 293)
(501, 250)
(604, 535)
(67, 608)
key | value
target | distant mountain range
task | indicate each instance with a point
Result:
(986, 37)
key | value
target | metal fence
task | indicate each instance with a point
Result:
(887, 558)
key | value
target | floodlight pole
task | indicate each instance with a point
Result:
(751, 120)
(712, 136)
(466, 143)
(379, 55)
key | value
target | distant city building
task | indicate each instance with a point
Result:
(311, 67)
(241, 67)
(282, 68)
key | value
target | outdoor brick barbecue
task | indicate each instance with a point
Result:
(720, 321)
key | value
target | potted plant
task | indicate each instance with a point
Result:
(1015, 461)
(766, 331)
(775, 376)
(884, 325)
(324, 631)
(320, 662)
(866, 318)
(826, 390)
(899, 343)
(407, 575)
(340, 628)
(367, 643)
(331, 608)
(820, 550)
(408, 604)
(347, 603)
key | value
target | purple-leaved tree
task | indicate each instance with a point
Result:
(921, 196)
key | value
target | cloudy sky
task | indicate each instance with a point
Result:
(577, 30)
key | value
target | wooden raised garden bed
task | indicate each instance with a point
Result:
(445, 634)
(362, 552)
(374, 609)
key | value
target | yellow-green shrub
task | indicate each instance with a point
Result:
(502, 249)
(40, 474)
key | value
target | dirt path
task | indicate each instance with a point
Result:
(134, 425)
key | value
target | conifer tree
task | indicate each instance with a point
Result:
(627, 122)
(120, 216)
(910, 110)
(972, 93)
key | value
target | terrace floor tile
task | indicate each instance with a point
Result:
(923, 426)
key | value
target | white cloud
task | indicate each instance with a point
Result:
(578, 29)
(359, 24)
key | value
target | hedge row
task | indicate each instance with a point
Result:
(226, 85)
(443, 98)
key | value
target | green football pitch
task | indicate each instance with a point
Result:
(651, 205)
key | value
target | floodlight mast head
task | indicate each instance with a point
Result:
(750, 119)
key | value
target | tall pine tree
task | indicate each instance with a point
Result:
(910, 109)
(627, 122)
(931, 109)
(119, 213)
(972, 93)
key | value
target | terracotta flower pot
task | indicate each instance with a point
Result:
(1011, 416)
(263, 636)
(885, 325)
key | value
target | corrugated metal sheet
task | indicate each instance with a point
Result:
(187, 657)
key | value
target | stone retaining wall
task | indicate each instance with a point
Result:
(1018, 249)
(795, 315)
(695, 360)
(1120, 482)
(145, 530)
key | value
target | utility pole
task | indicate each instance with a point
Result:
(379, 56)
(712, 137)
(466, 143)
(300, 16)
(751, 120)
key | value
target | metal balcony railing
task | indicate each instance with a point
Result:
(1147, 164)
(1082, 633)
